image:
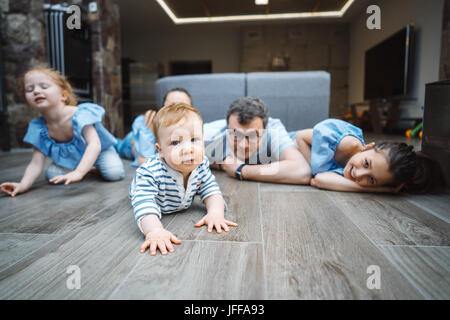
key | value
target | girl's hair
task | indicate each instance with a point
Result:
(416, 170)
(59, 80)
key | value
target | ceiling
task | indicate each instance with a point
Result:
(141, 17)
(196, 11)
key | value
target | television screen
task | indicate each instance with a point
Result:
(388, 66)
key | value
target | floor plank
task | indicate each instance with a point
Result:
(16, 174)
(13, 247)
(51, 209)
(9, 160)
(435, 204)
(277, 187)
(392, 220)
(105, 250)
(198, 270)
(12, 166)
(244, 212)
(326, 257)
(427, 267)
(312, 244)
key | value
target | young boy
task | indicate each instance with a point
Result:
(139, 143)
(167, 182)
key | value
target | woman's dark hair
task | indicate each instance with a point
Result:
(177, 89)
(418, 171)
(248, 108)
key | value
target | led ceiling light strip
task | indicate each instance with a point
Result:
(272, 16)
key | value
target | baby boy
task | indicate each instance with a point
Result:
(167, 182)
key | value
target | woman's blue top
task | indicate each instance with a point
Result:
(326, 137)
(69, 154)
(144, 139)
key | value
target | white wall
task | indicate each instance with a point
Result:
(426, 15)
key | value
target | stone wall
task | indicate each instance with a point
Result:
(24, 45)
(106, 66)
(444, 72)
(301, 47)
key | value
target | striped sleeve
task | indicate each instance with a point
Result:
(142, 193)
(208, 185)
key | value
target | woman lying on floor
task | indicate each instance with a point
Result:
(341, 161)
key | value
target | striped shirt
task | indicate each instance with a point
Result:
(159, 189)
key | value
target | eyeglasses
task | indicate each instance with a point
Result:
(239, 136)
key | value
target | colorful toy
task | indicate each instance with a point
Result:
(417, 130)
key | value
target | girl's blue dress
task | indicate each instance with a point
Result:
(69, 154)
(326, 137)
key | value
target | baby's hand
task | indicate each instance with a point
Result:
(159, 238)
(215, 220)
(12, 188)
(73, 176)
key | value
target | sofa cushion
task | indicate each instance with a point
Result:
(212, 94)
(298, 99)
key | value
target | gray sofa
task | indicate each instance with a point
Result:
(298, 99)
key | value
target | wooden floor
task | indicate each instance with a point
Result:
(293, 242)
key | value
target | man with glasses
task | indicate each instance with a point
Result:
(249, 145)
